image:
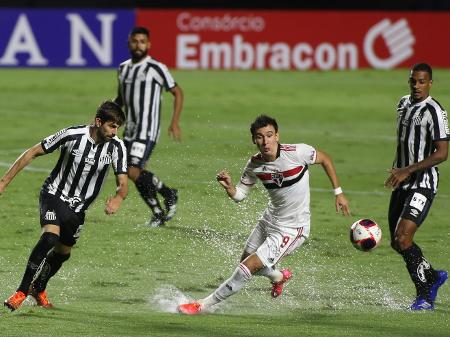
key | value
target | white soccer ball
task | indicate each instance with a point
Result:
(365, 234)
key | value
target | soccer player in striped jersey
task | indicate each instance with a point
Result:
(86, 154)
(422, 144)
(141, 82)
(285, 224)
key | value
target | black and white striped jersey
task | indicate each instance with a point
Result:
(82, 166)
(418, 126)
(140, 90)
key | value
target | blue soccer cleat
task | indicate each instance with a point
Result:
(421, 304)
(442, 277)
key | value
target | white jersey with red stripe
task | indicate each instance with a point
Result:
(287, 182)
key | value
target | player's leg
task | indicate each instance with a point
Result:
(70, 231)
(138, 155)
(416, 207)
(49, 238)
(241, 275)
(254, 241)
(284, 241)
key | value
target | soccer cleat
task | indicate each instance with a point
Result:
(193, 308)
(277, 287)
(41, 298)
(157, 220)
(421, 304)
(442, 277)
(16, 299)
(171, 205)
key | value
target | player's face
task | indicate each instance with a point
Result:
(138, 44)
(266, 139)
(107, 130)
(420, 85)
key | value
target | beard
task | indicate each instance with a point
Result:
(138, 55)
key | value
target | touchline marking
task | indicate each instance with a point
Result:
(28, 168)
(313, 189)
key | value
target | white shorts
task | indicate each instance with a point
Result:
(271, 243)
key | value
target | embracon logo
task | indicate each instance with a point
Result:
(239, 53)
(398, 38)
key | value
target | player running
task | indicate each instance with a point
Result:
(285, 224)
(86, 154)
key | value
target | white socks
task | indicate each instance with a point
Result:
(231, 286)
(274, 275)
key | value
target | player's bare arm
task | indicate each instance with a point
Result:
(113, 203)
(341, 202)
(174, 127)
(22, 161)
(224, 179)
(398, 175)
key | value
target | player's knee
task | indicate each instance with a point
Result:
(402, 243)
(49, 240)
(61, 258)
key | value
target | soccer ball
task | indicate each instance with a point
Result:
(365, 234)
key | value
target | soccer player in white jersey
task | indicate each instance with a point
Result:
(86, 154)
(422, 143)
(285, 224)
(141, 82)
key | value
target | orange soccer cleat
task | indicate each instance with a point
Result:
(193, 308)
(41, 298)
(15, 300)
(277, 287)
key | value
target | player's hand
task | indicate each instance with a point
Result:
(175, 132)
(224, 179)
(112, 204)
(397, 176)
(342, 205)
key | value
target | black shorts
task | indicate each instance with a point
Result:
(139, 152)
(412, 205)
(53, 211)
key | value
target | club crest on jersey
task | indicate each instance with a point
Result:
(277, 178)
(106, 159)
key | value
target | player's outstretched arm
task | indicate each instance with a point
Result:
(113, 203)
(22, 161)
(174, 127)
(341, 201)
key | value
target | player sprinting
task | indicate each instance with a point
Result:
(86, 154)
(285, 224)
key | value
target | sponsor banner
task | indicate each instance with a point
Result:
(64, 38)
(297, 40)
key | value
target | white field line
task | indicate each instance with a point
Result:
(313, 189)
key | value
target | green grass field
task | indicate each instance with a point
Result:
(125, 279)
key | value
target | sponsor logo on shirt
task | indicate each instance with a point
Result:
(77, 153)
(89, 161)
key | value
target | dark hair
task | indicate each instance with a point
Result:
(110, 111)
(423, 67)
(139, 30)
(262, 121)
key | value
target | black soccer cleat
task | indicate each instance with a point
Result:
(171, 205)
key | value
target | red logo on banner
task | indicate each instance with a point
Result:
(296, 40)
